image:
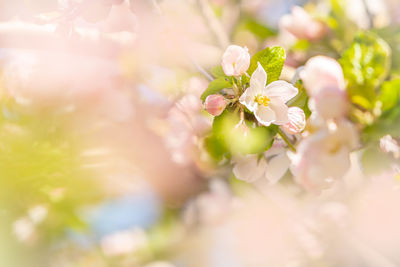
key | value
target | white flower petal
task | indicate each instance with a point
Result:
(282, 89)
(247, 99)
(258, 78)
(280, 109)
(265, 115)
(249, 169)
(277, 167)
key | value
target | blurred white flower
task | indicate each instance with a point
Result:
(324, 157)
(215, 104)
(297, 120)
(38, 213)
(302, 25)
(24, 229)
(249, 168)
(235, 60)
(272, 165)
(159, 264)
(124, 242)
(268, 102)
(390, 145)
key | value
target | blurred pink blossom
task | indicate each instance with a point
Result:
(302, 25)
(330, 102)
(320, 72)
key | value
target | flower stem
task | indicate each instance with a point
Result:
(286, 139)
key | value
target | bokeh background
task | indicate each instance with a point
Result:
(101, 154)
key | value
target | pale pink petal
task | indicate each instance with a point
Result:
(248, 168)
(320, 72)
(235, 60)
(265, 115)
(297, 120)
(277, 167)
(215, 104)
(243, 62)
(280, 109)
(258, 78)
(330, 102)
(281, 89)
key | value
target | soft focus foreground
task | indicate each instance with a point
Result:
(196, 133)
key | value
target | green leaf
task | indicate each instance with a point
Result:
(390, 94)
(365, 65)
(217, 72)
(272, 60)
(247, 138)
(215, 86)
(256, 27)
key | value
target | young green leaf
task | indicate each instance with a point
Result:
(272, 60)
(215, 86)
(217, 71)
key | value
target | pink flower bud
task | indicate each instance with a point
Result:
(297, 120)
(302, 25)
(330, 103)
(320, 72)
(215, 104)
(235, 60)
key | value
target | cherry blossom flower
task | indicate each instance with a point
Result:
(215, 104)
(268, 102)
(297, 120)
(235, 60)
(302, 25)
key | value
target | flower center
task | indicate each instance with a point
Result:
(262, 100)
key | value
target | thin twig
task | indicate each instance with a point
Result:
(159, 12)
(213, 23)
(369, 14)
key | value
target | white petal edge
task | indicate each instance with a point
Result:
(247, 99)
(281, 89)
(258, 78)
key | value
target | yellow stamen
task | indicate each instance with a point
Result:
(262, 100)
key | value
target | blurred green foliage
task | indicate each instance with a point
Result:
(366, 64)
(40, 164)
